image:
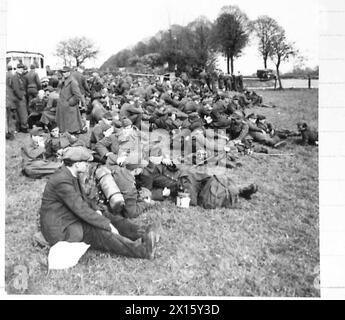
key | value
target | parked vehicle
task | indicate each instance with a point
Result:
(27, 58)
(265, 74)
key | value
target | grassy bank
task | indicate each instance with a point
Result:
(268, 246)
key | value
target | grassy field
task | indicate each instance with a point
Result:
(268, 246)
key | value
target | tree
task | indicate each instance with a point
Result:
(79, 48)
(282, 50)
(62, 52)
(231, 33)
(140, 49)
(200, 30)
(265, 28)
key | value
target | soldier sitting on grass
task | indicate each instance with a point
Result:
(66, 215)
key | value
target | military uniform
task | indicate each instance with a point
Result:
(132, 112)
(65, 215)
(157, 177)
(19, 100)
(126, 182)
(33, 84)
(36, 108)
(68, 115)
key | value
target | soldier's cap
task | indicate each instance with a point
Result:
(45, 79)
(193, 115)
(20, 66)
(126, 122)
(237, 115)
(32, 66)
(142, 164)
(260, 117)
(49, 88)
(53, 126)
(77, 154)
(252, 116)
(37, 131)
(108, 115)
(65, 69)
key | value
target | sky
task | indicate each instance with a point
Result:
(38, 25)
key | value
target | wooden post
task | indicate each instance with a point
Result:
(309, 82)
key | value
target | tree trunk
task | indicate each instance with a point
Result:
(265, 62)
(232, 64)
(278, 75)
(228, 63)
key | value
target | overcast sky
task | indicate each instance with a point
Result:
(38, 25)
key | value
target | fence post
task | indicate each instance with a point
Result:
(309, 82)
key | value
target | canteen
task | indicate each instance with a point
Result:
(183, 200)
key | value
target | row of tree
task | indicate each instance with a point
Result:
(195, 46)
(198, 43)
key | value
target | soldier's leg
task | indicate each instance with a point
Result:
(262, 138)
(125, 227)
(162, 182)
(22, 113)
(107, 241)
(32, 94)
(136, 119)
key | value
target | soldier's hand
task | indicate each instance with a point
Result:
(237, 142)
(148, 200)
(108, 132)
(113, 229)
(167, 162)
(121, 160)
(166, 192)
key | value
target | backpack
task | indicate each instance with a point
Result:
(192, 182)
(218, 192)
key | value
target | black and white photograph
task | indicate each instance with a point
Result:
(162, 148)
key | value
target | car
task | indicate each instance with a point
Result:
(265, 74)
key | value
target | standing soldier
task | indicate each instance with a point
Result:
(221, 81)
(9, 105)
(19, 98)
(33, 83)
(82, 82)
(68, 115)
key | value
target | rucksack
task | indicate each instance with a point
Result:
(218, 192)
(192, 182)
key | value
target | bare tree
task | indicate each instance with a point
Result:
(282, 50)
(79, 48)
(62, 52)
(265, 28)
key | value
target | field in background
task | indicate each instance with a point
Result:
(287, 83)
(268, 246)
